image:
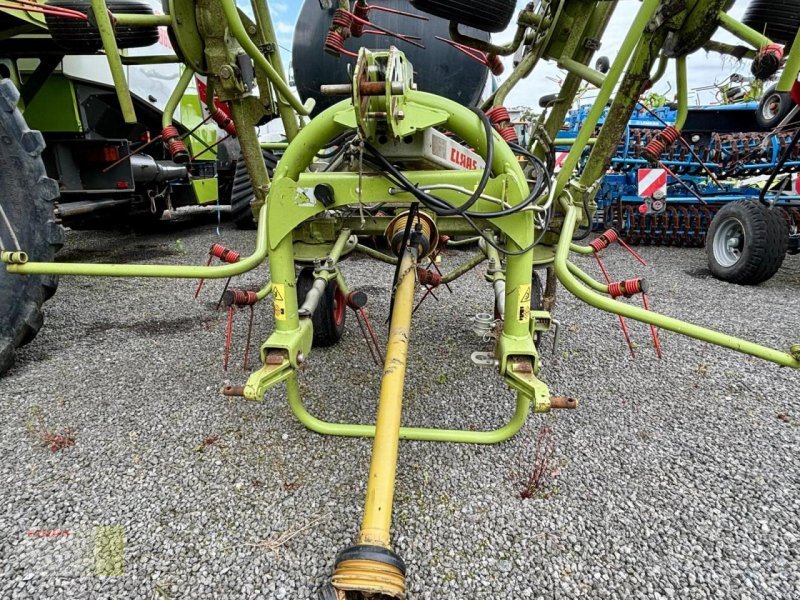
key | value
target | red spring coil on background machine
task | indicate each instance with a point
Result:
(658, 145)
(175, 146)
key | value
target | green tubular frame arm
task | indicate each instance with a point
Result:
(275, 224)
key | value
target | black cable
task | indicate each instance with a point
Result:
(442, 207)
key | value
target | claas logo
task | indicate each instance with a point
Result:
(462, 160)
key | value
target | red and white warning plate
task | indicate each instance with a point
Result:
(651, 181)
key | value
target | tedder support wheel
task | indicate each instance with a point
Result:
(746, 242)
(487, 15)
(773, 108)
(26, 223)
(242, 191)
(328, 319)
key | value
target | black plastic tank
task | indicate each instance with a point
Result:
(439, 68)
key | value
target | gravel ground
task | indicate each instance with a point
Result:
(675, 478)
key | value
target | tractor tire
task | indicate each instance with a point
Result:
(27, 223)
(746, 242)
(242, 191)
(773, 108)
(329, 317)
(487, 15)
(84, 37)
(777, 19)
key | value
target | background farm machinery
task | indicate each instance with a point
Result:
(729, 155)
(392, 160)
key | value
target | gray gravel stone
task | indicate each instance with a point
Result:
(676, 478)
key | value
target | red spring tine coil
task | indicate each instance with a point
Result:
(611, 235)
(244, 297)
(509, 134)
(224, 254)
(342, 18)
(173, 142)
(495, 65)
(622, 323)
(670, 135)
(224, 122)
(360, 10)
(627, 288)
(334, 45)
(654, 149)
(498, 115)
(604, 240)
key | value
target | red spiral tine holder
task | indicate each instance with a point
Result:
(238, 299)
(628, 289)
(362, 9)
(225, 255)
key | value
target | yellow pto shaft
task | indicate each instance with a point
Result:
(364, 567)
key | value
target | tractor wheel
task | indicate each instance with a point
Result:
(26, 223)
(487, 15)
(83, 36)
(746, 242)
(773, 108)
(777, 19)
(328, 319)
(242, 191)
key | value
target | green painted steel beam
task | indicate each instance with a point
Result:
(501, 434)
(591, 297)
(245, 264)
(742, 31)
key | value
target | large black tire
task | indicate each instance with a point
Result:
(777, 19)
(242, 191)
(83, 36)
(487, 15)
(329, 317)
(773, 108)
(26, 222)
(746, 242)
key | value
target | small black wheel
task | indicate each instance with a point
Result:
(242, 191)
(773, 108)
(329, 317)
(746, 242)
(777, 19)
(602, 64)
(83, 36)
(487, 15)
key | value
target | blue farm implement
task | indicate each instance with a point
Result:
(722, 156)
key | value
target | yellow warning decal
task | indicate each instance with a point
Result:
(279, 301)
(524, 303)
